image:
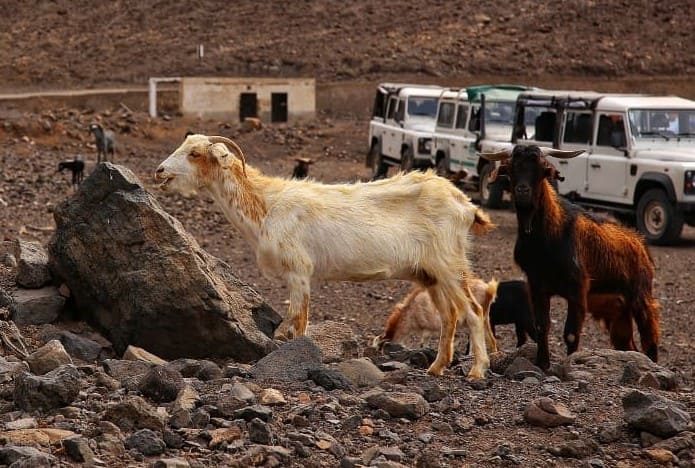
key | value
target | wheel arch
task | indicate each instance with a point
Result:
(651, 180)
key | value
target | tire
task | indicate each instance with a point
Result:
(491, 194)
(379, 168)
(407, 160)
(657, 218)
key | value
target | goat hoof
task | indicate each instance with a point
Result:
(285, 332)
(435, 370)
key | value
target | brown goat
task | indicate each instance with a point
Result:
(566, 251)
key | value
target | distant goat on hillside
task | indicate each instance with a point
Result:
(76, 166)
(105, 141)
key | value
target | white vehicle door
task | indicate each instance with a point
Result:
(608, 165)
(393, 135)
(577, 133)
(460, 146)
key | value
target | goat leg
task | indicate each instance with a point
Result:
(297, 320)
(541, 311)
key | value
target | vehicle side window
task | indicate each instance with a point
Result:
(545, 126)
(392, 108)
(474, 123)
(445, 118)
(461, 116)
(577, 128)
(611, 131)
(400, 111)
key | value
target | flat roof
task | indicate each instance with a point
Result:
(622, 102)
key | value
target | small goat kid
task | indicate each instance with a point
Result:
(75, 166)
(412, 227)
(567, 251)
(416, 315)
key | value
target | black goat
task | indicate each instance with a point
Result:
(105, 141)
(75, 166)
(569, 252)
(301, 170)
(512, 306)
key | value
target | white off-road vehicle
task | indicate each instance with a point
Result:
(459, 130)
(401, 127)
(640, 154)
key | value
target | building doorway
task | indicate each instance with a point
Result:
(248, 105)
(278, 107)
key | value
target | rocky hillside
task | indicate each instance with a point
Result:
(82, 43)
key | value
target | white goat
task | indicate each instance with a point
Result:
(412, 227)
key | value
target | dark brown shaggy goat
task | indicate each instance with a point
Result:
(568, 252)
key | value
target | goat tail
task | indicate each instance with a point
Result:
(490, 293)
(481, 223)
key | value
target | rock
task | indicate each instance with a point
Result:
(146, 442)
(200, 369)
(501, 360)
(32, 265)
(335, 340)
(256, 411)
(432, 391)
(78, 449)
(171, 463)
(161, 384)
(399, 404)
(114, 219)
(291, 362)
(361, 372)
(8, 260)
(682, 441)
(134, 413)
(250, 124)
(330, 379)
(578, 448)
(24, 423)
(520, 368)
(187, 399)
(654, 414)
(224, 436)
(545, 412)
(134, 353)
(9, 369)
(57, 388)
(48, 357)
(36, 306)
(43, 437)
(25, 457)
(610, 433)
(610, 365)
(241, 392)
(124, 370)
(661, 456)
(270, 397)
(80, 347)
(259, 432)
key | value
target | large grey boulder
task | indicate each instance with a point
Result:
(140, 278)
(655, 414)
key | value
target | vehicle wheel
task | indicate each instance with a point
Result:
(379, 168)
(657, 218)
(490, 193)
(407, 160)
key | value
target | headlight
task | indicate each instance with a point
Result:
(689, 182)
(424, 145)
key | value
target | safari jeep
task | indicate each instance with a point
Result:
(640, 154)
(459, 130)
(401, 127)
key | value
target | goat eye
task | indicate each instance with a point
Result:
(194, 154)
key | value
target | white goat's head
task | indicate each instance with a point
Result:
(198, 162)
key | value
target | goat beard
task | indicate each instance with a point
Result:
(524, 217)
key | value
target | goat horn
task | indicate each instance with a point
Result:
(232, 146)
(560, 154)
(496, 155)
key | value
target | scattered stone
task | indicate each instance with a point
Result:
(583, 386)
(80, 347)
(125, 371)
(146, 442)
(8, 260)
(259, 432)
(500, 361)
(520, 368)
(631, 373)
(654, 414)
(399, 404)
(661, 456)
(57, 388)
(291, 362)
(25, 457)
(271, 397)
(432, 391)
(171, 463)
(134, 413)
(11, 369)
(48, 357)
(200, 369)
(578, 448)
(610, 433)
(161, 384)
(683, 441)
(187, 399)
(361, 372)
(256, 411)
(41, 437)
(241, 392)
(23, 423)
(330, 379)
(336, 340)
(78, 449)
(224, 436)
(545, 412)
(32, 265)
(133, 353)
(391, 366)
(36, 306)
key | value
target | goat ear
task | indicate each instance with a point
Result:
(552, 173)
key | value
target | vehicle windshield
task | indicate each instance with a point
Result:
(422, 106)
(499, 112)
(662, 123)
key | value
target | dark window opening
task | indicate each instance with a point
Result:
(278, 107)
(248, 105)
